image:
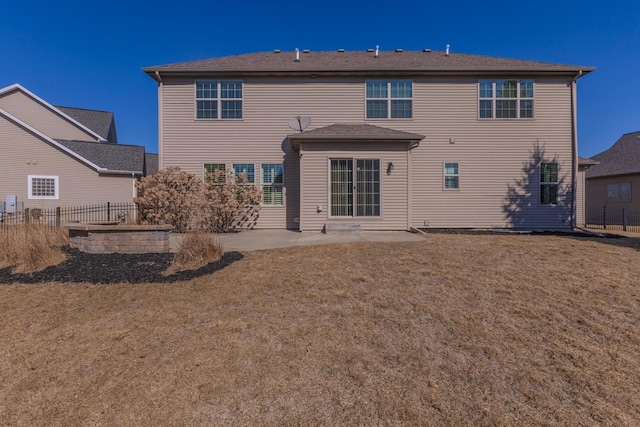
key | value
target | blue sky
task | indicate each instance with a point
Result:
(89, 54)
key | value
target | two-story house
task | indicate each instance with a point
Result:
(388, 140)
(61, 156)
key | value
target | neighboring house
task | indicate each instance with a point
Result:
(60, 156)
(386, 140)
(615, 181)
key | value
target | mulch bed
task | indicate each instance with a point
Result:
(80, 267)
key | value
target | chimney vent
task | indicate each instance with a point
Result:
(399, 50)
(341, 50)
(305, 50)
(377, 50)
(297, 55)
(446, 53)
(276, 50)
(427, 50)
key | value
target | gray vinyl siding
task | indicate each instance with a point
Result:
(494, 155)
(25, 154)
(41, 118)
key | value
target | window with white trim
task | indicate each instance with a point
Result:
(272, 184)
(218, 99)
(548, 183)
(389, 99)
(355, 192)
(215, 172)
(246, 170)
(43, 187)
(619, 193)
(505, 99)
(451, 176)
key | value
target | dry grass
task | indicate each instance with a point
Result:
(194, 251)
(31, 247)
(455, 330)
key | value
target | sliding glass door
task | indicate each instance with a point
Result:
(355, 192)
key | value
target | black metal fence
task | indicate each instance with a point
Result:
(608, 218)
(56, 217)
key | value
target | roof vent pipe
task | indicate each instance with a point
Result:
(297, 55)
(377, 50)
(446, 53)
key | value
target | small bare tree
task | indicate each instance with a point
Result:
(231, 202)
(170, 196)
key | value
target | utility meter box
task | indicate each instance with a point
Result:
(11, 204)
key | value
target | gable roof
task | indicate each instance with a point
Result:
(410, 62)
(103, 166)
(57, 111)
(102, 122)
(111, 158)
(622, 158)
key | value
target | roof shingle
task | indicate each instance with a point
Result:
(353, 61)
(112, 157)
(621, 159)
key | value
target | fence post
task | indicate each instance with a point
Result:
(25, 216)
(58, 223)
(108, 211)
(624, 219)
(604, 216)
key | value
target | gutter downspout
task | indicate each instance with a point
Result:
(160, 124)
(574, 148)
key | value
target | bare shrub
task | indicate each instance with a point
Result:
(195, 250)
(231, 202)
(31, 247)
(170, 196)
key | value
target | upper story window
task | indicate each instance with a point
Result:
(218, 99)
(505, 99)
(389, 99)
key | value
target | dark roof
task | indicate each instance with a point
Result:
(622, 158)
(583, 161)
(150, 163)
(112, 157)
(101, 122)
(414, 62)
(355, 132)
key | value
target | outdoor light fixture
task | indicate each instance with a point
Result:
(389, 168)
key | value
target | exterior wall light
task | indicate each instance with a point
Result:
(389, 168)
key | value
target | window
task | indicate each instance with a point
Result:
(43, 187)
(619, 192)
(215, 172)
(505, 99)
(218, 99)
(389, 99)
(451, 176)
(245, 169)
(548, 183)
(272, 183)
(364, 196)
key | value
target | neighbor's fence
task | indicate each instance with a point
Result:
(609, 218)
(56, 217)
